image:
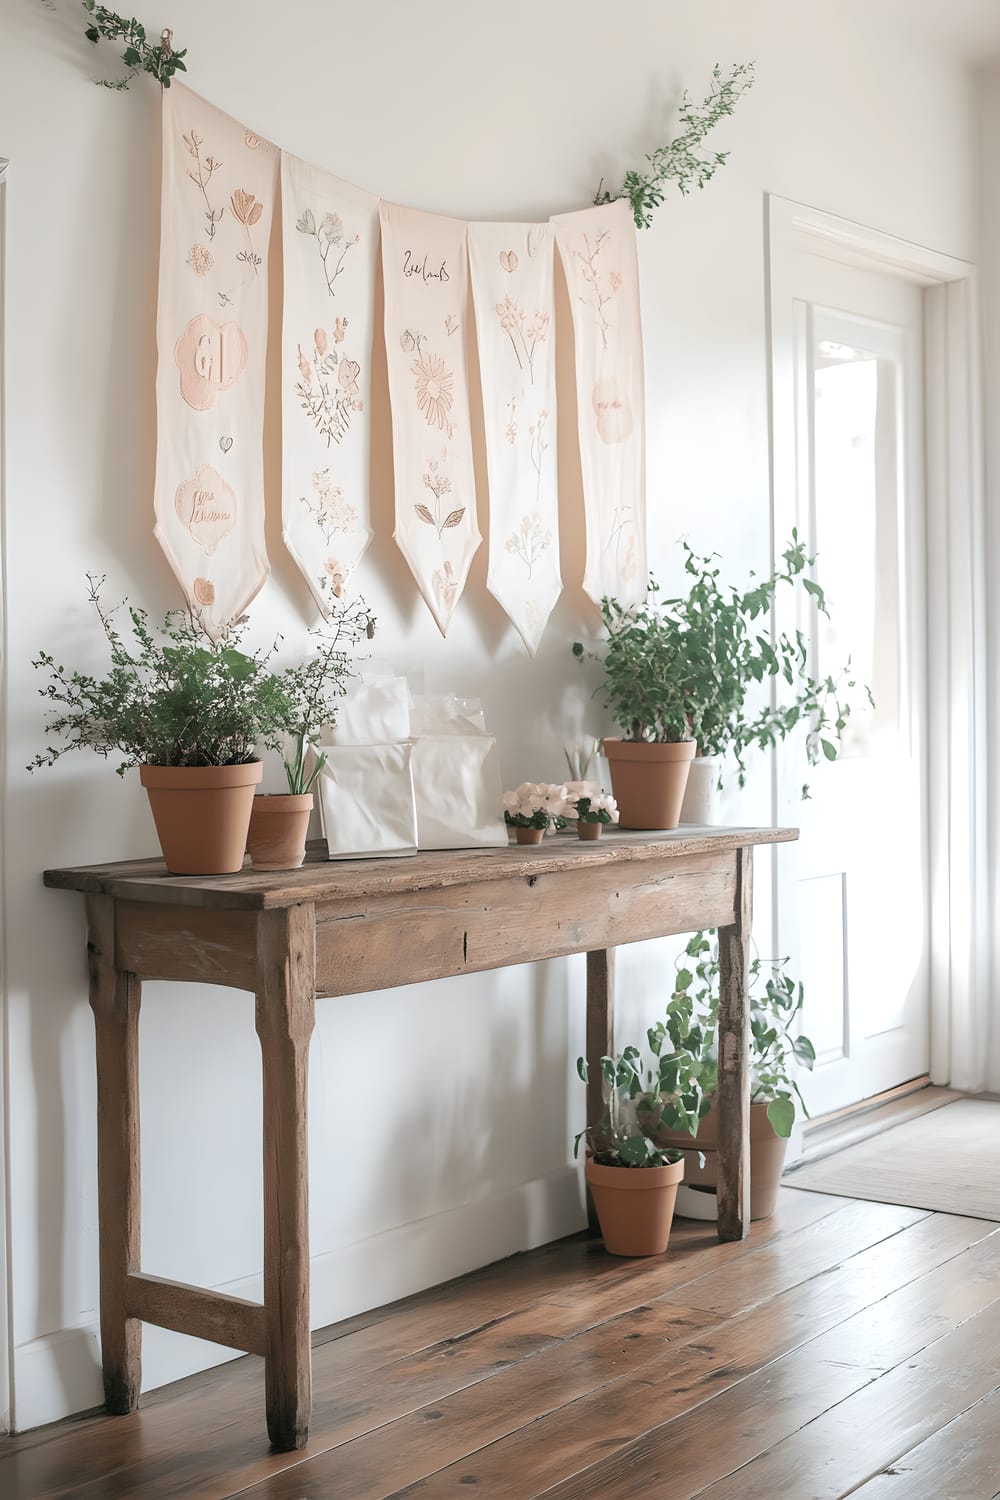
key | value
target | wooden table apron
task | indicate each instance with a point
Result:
(347, 928)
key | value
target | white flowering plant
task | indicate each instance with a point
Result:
(589, 803)
(536, 804)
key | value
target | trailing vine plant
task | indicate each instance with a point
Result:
(682, 159)
(139, 55)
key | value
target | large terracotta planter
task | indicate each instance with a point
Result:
(278, 827)
(648, 781)
(635, 1206)
(202, 814)
(767, 1158)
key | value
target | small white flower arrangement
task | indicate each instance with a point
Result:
(588, 803)
(536, 804)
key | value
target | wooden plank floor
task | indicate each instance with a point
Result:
(846, 1349)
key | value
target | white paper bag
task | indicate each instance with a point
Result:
(366, 801)
(456, 781)
(374, 712)
(433, 714)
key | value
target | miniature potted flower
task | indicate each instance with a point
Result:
(590, 807)
(632, 1179)
(534, 809)
(191, 712)
(279, 822)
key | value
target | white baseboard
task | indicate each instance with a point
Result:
(59, 1374)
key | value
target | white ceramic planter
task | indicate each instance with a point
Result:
(701, 796)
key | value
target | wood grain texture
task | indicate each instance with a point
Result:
(320, 880)
(286, 964)
(961, 1461)
(115, 997)
(733, 1092)
(187, 943)
(202, 1314)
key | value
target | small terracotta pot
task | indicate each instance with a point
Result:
(529, 835)
(278, 827)
(635, 1206)
(648, 781)
(202, 814)
(585, 830)
(767, 1157)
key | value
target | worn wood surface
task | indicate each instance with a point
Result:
(568, 1373)
(733, 1091)
(286, 998)
(222, 1319)
(187, 943)
(115, 996)
(321, 880)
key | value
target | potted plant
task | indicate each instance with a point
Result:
(777, 1050)
(632, 1178)
(279, 822)
(589, 807)
(190, 712)
(685, 669)
(533, 808)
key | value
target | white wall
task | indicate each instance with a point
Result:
(441, 1115)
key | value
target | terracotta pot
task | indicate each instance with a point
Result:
(701, 795)
(202, 814)
(529, 835)
(278, 827)
(585, 830)
(649, 781)
(635, 1206)
(767, 1158)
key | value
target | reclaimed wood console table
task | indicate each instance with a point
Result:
(347, 928)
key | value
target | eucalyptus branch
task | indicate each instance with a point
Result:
(158, 58)
(682, 159)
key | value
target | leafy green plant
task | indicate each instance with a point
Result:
(313, 687)
(159, 58)
(685, 667)
(644, 1096)
(777, 1049)
(682, 160)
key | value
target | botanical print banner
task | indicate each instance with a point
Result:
(426, 283)
(598, 252)
(219, 182)
(512, 286)
(330, 244)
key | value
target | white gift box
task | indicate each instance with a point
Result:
(366, 801)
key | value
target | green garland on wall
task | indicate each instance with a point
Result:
(138, 54)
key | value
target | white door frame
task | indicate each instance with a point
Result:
(955, 595)
(6, 1308)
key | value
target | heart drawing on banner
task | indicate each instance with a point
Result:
(508, 259)
(225, 443)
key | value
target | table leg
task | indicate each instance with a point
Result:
(286, 1003)
(733, 1187)
(114, 996)
(600, 1040)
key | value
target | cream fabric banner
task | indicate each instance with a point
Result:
(512, 286)
(598, 252)
(426, 284)
(219, 182)
(330, 244)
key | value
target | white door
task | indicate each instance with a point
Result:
(853, 897)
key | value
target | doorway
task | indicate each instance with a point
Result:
(867, 342)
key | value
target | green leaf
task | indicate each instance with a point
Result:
(829, 749)
(635, 1150)
(781, 1113)
(582, 1069)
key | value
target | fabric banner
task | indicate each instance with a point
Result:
(219, 182)
(426, 284)
(598, 252)
(330, 244)
(513, 291)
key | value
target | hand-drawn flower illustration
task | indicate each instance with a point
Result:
(508, 260)
(334, 577)
(612, 411)
(529, 541)
(204, 592)
(247, 208)
(201, 175)
(525, 333)
(339, 329)
(331, 511)
(597, 296)
(451, 325)
(434, 385)
(206, 505)
(200, 260)
(538, 447)
(330, 237)
(329, 388)
(210, 357)
(251, 140)
(445, 585)
(441, 517)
